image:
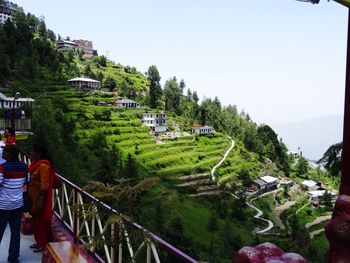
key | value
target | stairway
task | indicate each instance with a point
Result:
(198, 185)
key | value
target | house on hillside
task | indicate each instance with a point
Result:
(201, 129)
(85, 83)
(310, 184)
(316, 196)
(126, 103)
(17, 110)
(7, 11)
(86, 47)
(265, 184)
(64, 45)
(157, 121)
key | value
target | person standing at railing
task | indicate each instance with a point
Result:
(13, 175)
(2, 145)
(40, 191)
(10, 136)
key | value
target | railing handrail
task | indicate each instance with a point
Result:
(162, 243)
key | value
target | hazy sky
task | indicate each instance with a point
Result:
(279, 60)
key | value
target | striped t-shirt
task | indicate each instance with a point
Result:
(13, 176)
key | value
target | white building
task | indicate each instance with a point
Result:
(157, 121)
(7, 10)
(265, 183)
(64, 45)
(126, 103)
(84, 83)
(200, 129)
(12, 103)
(310, 184)
(318, 194)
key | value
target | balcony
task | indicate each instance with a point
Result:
(103, 233)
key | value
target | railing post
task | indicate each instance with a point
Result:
(75, 218)
(149, 251)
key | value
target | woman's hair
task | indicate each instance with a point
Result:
(41, 150)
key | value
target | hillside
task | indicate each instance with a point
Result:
(90, 139)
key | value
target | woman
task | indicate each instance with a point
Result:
(10, 136)
(40, 191)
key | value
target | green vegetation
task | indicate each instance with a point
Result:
(107, 149)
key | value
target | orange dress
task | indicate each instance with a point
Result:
(40, 183)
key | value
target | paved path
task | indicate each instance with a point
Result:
(316, 232)
(278, 210)
(222, 160)
(318, 220)
(26, 254)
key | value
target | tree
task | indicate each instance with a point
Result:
(172, 96)
(182, 86)
(245, 176)
(326, 200)
(155, 90)
(109, 83)
(331, 159)
(189, 94)
(131, 167)
(195, 97)
(212, 227)
(42, 28)
(302, 166)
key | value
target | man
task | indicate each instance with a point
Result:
(13, 176)
(2, 145)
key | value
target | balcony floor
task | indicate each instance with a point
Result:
(26, 254)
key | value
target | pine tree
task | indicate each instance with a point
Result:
(155, 90)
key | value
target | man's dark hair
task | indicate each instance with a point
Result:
(13, 150)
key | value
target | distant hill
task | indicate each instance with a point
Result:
(313, 136)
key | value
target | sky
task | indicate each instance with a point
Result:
(278, 60)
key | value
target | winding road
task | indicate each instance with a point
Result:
(278, 210)
(259, 212)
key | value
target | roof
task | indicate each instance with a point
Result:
(125, 101)
(259, 182)
(67, 42)
(309, 183)
(269, 179)
(200, 126)
(4, 97)
(319, 193)
(83, 79)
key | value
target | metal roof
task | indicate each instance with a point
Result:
(309, 183)
(269, 179)
(260, 182)
(83, 79)
(125, 101)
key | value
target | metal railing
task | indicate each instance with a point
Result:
(106, 234)
(24, 124)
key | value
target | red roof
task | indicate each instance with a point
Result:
(197, 126)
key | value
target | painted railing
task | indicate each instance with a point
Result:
(106, 234)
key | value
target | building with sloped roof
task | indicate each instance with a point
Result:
(157, 121)
(64, 45)
(201, 129)
(7, 11)
(86, 47)
(127, 103)
(265, 183)
(84, 83)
